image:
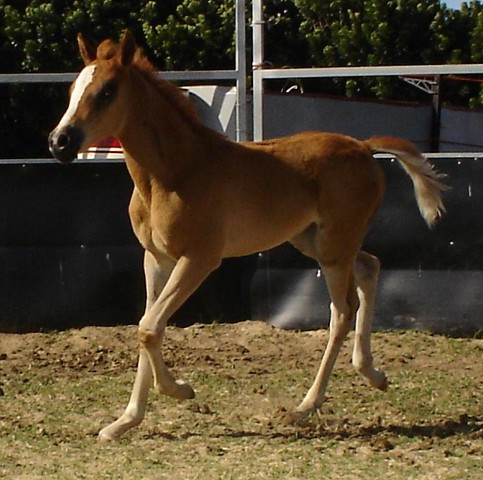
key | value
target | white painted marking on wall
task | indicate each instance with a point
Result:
(82, 82)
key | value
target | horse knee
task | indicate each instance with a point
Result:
(148, 338)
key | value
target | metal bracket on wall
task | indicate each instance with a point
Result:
(428, 84)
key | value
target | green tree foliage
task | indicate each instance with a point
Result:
(191, 34)
(39, 36)
(177, 34)
(475, 15)
(387, 32)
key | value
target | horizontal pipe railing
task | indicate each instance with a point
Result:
(377, 71)
(188, 75)
(101, 159)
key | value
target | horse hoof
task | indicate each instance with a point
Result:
(293, 418)
(384, 384)
(183, 391)
(380, 381)
(104, 437)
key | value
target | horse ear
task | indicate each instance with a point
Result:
(87, 51)
(128, 48)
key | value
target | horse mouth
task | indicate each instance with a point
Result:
(64, 144)
(64, 157)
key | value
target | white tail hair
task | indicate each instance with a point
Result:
(427, 182)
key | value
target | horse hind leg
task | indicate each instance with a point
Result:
(366, 274)
(344, 303)
(352, 289)
(340, 285)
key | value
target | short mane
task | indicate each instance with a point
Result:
(171, 93)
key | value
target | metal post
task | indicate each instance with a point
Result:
(257, 65)
(241, 71)
(436, 115)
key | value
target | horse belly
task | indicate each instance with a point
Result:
(247, 234)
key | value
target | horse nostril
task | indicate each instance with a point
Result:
(63, 140)
(65, 143)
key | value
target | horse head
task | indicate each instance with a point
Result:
(98, 98)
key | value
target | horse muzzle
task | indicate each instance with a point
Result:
(65, 143)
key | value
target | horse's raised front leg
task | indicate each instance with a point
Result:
(186, 277)
(341, 289)
(156, 277)
(366, 274)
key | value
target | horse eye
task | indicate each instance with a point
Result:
(105, 95)
(108, 91)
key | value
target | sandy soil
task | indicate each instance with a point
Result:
(247, 376)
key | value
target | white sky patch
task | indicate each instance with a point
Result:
(82, 82)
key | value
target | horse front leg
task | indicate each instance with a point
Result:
(186, 277)
(157, 275)
(136, 408)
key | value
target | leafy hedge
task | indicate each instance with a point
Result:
(39, 36)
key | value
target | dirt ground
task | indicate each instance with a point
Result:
(58, 389)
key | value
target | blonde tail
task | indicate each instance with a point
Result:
(426, 180)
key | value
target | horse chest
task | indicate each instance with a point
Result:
(156, 226)
(140, 221)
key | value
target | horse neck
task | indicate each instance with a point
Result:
(162, 146)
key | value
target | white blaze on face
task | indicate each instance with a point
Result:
(82, 82)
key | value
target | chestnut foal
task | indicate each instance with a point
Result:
(199, 198)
